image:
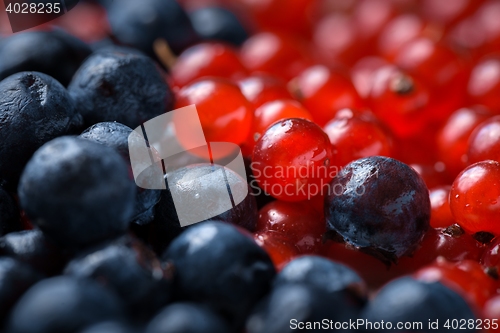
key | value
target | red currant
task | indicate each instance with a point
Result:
(440, 207)
(260, 89)
(484, 83)
(279, 248)
(484, 142)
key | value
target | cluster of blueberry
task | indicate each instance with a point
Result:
(347, 113)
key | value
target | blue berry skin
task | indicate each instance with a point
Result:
(217, 23)
(54, 53)
(409, 300)
(15, 279)
(216, 264)
(379, 205)
(302, 303)
(63, 304)
(77, 192)
(109, 327)
(131, 270)
(10, 219)
(33, 248)
(166, 225)
(187, 318)
(322, 274)
(140, 23)
(120, 86)
(115, 135)
(34, 109)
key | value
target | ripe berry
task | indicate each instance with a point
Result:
(484, 142)
(292, 161)
(261, 88)
(484, 83)
(440, 207)
(474, 198)
(278, 246)
(399, 31)
(379, 205)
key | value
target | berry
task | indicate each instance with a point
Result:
(474, 198)
(278, 246)
(241, 270)
(484, 142)
(440, 207)
(187, 317)
(34, 109)
(119, 86)
(292, 160)
(379, 205)
(484, 83)
(108, 327)
(260, 89)
(116, 135)
(63, 304)
(399, 31)
(78, 192)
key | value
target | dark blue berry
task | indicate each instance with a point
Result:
(34, 109)
(109, 327)
(63, 304)
(130, 269)
(77, 191)
(116, 135)
(120, 86)
(33, 248)
(217, 265)
(408, 300)
(379, 205)
(187, 318)
(217, 23)
(54, 53)
(140, 23)
(10, 220)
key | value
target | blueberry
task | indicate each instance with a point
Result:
(54, 53)
(116, 135)
(217, 23)
(410, 301)
(15, 279)
(290, 306)
(322, 274)
(202, 179)
(63, 304)
(140, 23)
(187, 318)
(34, 109)
(33, 248)
(10, 220)
(77, 191)
(379, 205)
(131, 270)
(108, 327)
(120, 86)
(217, 265)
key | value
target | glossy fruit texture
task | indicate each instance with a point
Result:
(77, 191)
(10, 219)
(484, 142)
(63, 304)
(399, 31)
(300, 222)
(33, 248)
(324, 92)
(363, 71)
(408, 300)
(484, 83)
(123, 263)
(118, 86)
(293, 160)
(274, 54)
(304, 303)
(440, 207)
(261, 88)
(466, 277)
(452, 138)
(207, 59)
(225, 114)
(474, 198)
(16, 278)
(140, 25)
(321, 273)
(219, 24)
(54, 53)
(116, 135)
(434, 175)
(271, 112)
(278, 246)
(219, 250)
(34, 109)
(380, 205)
(357, 136)
(187, 317)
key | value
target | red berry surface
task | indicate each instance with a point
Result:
(484, 142)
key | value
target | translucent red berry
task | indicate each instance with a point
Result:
(484, 142)
(440, 207)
